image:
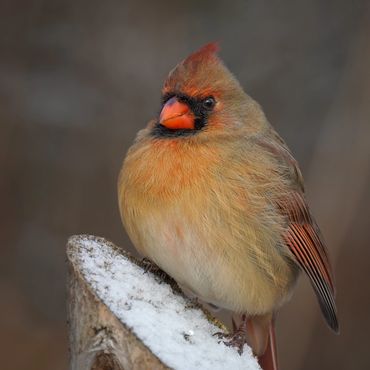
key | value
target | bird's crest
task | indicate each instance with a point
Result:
(197, 74)
(206, 52)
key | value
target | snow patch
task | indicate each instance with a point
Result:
(177, 333)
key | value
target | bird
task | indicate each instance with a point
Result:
(212, 195)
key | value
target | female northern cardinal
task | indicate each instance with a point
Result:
(211, 194)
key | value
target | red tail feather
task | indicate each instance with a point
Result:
(268, 361)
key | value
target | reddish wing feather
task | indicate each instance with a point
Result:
(303, 236)
(304, 240)
(303, 227)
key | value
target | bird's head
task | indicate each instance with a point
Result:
(201, 94)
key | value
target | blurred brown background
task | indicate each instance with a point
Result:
(78, 78)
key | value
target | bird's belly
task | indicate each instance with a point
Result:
(206, 266)
(177, 249)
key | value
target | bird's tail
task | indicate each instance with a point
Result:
(261, 337)
(260, 331)
(268, 361)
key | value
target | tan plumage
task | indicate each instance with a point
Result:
(220, 207)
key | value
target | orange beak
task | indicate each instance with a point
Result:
(176, 115)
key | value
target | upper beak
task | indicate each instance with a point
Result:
(177, 115)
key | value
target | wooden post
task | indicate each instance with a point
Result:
(99, 340)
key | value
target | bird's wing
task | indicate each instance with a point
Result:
(304, 240)
(302, 235)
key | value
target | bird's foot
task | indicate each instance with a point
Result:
(236, 339)
(150, 266)
(160, 275)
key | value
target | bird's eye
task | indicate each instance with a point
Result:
(209, 102)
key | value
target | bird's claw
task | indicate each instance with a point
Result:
(148, 265)
(236, 339)
(220, 335)
(151, 267)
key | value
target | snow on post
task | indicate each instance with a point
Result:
(122, 318)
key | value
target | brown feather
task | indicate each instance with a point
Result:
(204, 54)
(303, 236)
(304, 240)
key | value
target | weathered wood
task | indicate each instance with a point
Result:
(100, 340)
